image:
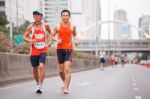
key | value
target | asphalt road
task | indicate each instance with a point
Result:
(130, 82)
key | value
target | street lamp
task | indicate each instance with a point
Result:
(10, 22)
(116, 36)
(108, 28)
(97, 27)
(17, 14)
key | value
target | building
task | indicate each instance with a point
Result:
(51, 10)
(121, 31)
(20, 11)
(87, 12)
(144, 23)
(77, 16)
(83, 13)
(2, 7)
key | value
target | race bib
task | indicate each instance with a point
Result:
(39, 45)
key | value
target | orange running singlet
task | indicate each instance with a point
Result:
(39, 35)
(65, 35)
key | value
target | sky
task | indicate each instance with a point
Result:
(134, 8)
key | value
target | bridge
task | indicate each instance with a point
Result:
(123, 45)
(114, 45)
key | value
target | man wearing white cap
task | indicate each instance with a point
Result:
(38, 50)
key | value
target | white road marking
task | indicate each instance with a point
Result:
(136, 89)
(84, 83)
(133, 81)
(19, 84)
(15, 86)
(138, 97)
(133, 78)
(134, 84)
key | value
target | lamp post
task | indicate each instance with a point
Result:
(17, 14)
(97, 27)
(108, 28)
(10, 22)
(116, 36)
(118, 30)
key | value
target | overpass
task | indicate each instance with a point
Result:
(114, 45)
(126, 45)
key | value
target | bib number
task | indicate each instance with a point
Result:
(39, 45)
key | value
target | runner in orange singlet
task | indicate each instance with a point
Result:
(37, 31)
(65, 30)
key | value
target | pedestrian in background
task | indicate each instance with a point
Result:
(102, 59)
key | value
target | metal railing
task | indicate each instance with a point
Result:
(125, 45)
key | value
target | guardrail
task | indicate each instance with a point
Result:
(126, 45)
(17, 67)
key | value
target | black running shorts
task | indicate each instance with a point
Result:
(35, 60)
(64, 55)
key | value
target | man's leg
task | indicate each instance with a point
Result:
(42, 73)
(36, 75)
(62, 73)
(101, 66)
(67, 76)
(42, 59)
(61, 57)
(35, 63)
(39, 73)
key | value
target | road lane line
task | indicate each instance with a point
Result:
(84, 83)
(20, 84)
(134, 84)
(133, 81)
(4, 88)
(136, 88)
(132, 78)
(138, 97)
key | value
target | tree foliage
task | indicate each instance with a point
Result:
(3, 22)
(5, 44)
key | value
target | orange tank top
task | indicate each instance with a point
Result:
(65, 35)
(39, 35)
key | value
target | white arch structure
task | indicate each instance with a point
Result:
(114, 21)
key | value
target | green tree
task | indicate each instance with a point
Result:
(144, 56)
(5, 44)
(21, 28)
(3, 22)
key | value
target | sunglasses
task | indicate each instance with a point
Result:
(36, 13)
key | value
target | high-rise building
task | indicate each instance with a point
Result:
(77, 16)
(121, 31)
(2, 7)
(20, 10)
(144, 23)
(29, 7)
(84, 13)
(92, 9)
(51, 10)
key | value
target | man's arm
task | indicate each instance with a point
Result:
(55, 31)
(49, 32)
(75, 36)
(48, 28)
(26, 34)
